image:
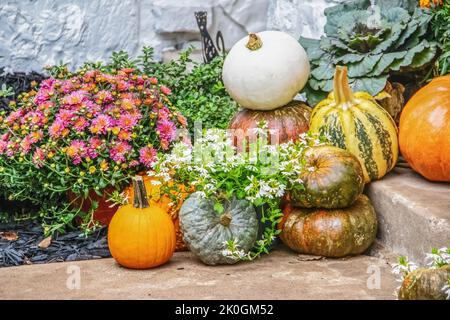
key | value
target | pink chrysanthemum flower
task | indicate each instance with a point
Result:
(25, 144)
(48, 83)
(165, 90)
(36, 136)
(167, 131)
(163, 113)
(127, 121)
(124, 135)
(94, 146)
(3, 146)
(147, 156)
(14, 116)
(43, 96)
(80, 124)
(56, 129)
(75, 97)
(35, 117)
(5, 137)
(46, 105)
(122, 85)
(65, 115)
(101, 124)
(119, 151)
(105, 96)
(127, 104)
(76, 151)
(67, 86)
(38, 157)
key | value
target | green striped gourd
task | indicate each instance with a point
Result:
(355, 122)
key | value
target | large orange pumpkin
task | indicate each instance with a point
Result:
(141, 235)
(425, 130)
(171, 205)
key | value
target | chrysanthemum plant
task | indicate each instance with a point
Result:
(261, 176)
(90, 130)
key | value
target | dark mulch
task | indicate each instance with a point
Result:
(70, 246)
(19, 81)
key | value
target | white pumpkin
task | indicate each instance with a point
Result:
(265, 71)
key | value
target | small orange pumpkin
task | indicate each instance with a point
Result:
(425, 130)
(141, 235)
(170, 205)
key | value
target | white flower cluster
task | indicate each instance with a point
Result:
(446, 289)
(403, 268)
(266, 170)
(438, 258)
(259, 188)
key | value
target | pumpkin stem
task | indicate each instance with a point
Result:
(342, 92)
(140, 193)
(254, 42)
(225, 219)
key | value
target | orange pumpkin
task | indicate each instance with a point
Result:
(170, 205)
(425, 130)
(141, 235)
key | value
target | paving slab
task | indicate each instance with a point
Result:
(281, 275)
(413, 213)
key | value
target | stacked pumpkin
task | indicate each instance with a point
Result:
(263, 73)
(331, 217)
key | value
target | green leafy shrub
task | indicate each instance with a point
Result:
(373, 43)
(198, 93)
(440, 25)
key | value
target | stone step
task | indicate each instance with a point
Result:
(413, 213)
(281, 275)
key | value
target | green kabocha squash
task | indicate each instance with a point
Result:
(333, 178)
(330, 233)
(205, 231)
(425, 284)
(357, 123)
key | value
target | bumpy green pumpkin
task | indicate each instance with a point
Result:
(330, 233)
(356, 122)
(205, 231)
(425, 284)
(333, 178)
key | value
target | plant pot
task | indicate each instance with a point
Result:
(104, 213)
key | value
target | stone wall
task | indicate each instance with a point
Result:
(35, 33)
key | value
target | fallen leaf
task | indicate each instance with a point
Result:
(9, 235)
(44, 244)
(308, 257)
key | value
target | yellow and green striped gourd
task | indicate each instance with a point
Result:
(357, 123)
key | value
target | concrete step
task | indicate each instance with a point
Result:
(413, 213)
(281, 275)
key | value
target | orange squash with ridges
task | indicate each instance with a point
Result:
(425, 130)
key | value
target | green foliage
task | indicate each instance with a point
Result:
(197, 88)
(440, 25)
(372, 43)
(6, 91)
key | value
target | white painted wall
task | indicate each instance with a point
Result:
(35, 33)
